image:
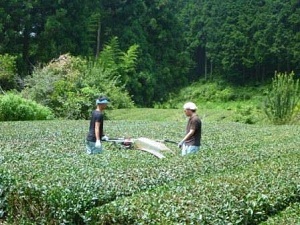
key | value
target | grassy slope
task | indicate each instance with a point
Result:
(213, 112)
(226, 112)
(146, 114)
(216, 101)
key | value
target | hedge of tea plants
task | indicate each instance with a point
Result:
(288, 216)
(243, 175)
(244, 196)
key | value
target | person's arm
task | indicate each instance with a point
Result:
(97, 131)
(188, 135)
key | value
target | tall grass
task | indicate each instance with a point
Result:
(282, 98)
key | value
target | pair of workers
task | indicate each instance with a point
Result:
(189, 144)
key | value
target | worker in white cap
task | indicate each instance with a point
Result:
(192, 140)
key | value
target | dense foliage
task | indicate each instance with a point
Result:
(179, 40)
(69, 85)
(243, 175)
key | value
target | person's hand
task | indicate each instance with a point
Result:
(180, 144)
(98, 144)
(104, 138)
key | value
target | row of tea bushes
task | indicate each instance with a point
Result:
(290, 216)
(242, 196)
(66, 186)
(65, 192)
(56, 182)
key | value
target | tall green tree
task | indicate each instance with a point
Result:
(163, 61)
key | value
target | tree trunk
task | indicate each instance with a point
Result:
(98, 39)
(211, 68)
(205, 67)
(25, 51)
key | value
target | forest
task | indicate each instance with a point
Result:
(174, 42)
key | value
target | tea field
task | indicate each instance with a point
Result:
(244, 174)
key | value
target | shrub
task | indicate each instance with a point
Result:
(282, 98)
(247, 114)
(69, 86)
(15, 108)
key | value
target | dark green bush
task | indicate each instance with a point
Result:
(15, 108)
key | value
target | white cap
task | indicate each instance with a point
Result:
(190, 105)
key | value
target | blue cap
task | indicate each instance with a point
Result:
(102, 101)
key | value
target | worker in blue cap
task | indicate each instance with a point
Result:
(96, 133)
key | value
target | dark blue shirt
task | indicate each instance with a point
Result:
(97, 116)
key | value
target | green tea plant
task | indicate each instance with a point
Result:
(282, 98)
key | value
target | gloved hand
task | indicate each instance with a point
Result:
(180, 144)
(104, 138)
(98, 144)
